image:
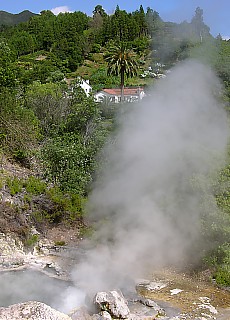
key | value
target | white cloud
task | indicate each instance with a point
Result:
(225, 37)
(62, 9)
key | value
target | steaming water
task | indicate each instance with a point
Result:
(149, 211)
(28, 285)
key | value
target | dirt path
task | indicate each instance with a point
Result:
(192, 297)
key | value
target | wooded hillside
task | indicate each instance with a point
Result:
(46, 122)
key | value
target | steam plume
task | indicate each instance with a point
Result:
(149, 212)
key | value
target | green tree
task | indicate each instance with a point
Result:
(121, 61)
(7, 68)
(19, 128)
(48, 104)
(140, 19)
(94, 35)
(22, 42)
(200, 29)
(120, 25)
(70, 155)
(154, 23)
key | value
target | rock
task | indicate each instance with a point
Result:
(206, 306)
(112, 302)
(10, 244)
(147, 308)
(151, 285)
(81, 314)
(175, 291)
(11, 252)
(148, 303)
(31, 310)
(105, 316)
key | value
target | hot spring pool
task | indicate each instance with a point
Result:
(25, 285)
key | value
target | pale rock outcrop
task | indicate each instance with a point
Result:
(31, 310)
(11, 251)
(112, 302)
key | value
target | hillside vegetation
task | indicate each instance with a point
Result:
(56, 132)
(8, 19)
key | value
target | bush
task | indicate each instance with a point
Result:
(96, 48)
(35, 186)
(38, 216)
(60, 243)
(222, 275)
(219, 260)
(19, 131)
(15, 185)
(20, 156)
(31, 240)
(68, 206)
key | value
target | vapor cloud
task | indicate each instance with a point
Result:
(147, 209)
(61, 9)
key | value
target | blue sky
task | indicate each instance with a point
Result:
(216, 12)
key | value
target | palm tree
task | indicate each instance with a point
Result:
(121, 61)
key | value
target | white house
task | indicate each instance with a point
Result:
(84, 84)
(132, 94)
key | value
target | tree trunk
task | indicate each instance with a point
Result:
(122, 84)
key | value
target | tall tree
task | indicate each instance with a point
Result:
(99, 10)
(154, 23)
(121, 61)
(120, 25)
(19, 127)
(200, 28)
(22, 42)
(140, 18)
(7, 67)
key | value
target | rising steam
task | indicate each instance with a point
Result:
(148, 211)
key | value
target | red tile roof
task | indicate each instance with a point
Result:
(127, 91)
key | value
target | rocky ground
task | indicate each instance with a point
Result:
(22, 237)
(180, 295)
(194, 296)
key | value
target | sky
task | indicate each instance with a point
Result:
(216, 12)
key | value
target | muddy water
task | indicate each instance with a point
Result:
(192, 297)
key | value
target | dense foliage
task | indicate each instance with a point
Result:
(42, 116)
(7, 18)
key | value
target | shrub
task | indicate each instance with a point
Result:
(219, 259)
(38, 216)
(15, 185)
(1, 183)
(20, 156)
(35, 186)
(222, 275)
(19, 127)
(27, 198)
(67, 206)
(60, 243)
(31, 240)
